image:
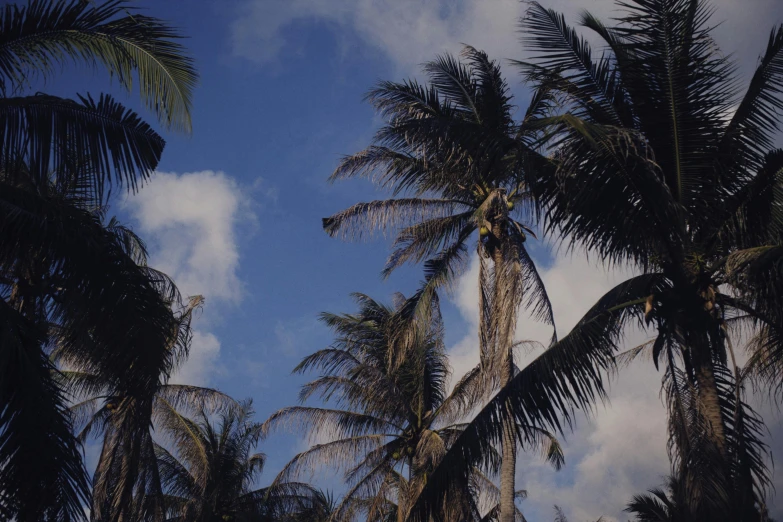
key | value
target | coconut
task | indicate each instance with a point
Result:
(395, 455)
(510, 205)
(648, 308)
(409, 450)
(484, 231)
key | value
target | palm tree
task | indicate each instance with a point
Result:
(60, 264)
(43, 130)
(210, 474)
(387, 374)
(127, 479)
(660, 164)
(453, 149)
(672, 505)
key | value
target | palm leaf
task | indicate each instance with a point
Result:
(385, 215)
(45, 34)
(108, 138)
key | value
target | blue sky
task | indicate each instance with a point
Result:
(235, 213)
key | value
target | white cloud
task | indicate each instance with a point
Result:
(202, 362)
(410, 32)
(191, 218)
(189, 221)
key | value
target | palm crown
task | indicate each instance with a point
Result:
(127, 480)
(210, 474)
(396, 420)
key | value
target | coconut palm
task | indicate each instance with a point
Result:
(210, 474)
(460, 161)
(671, 505)
(61, 265)
(479, 501)
(663, 164)
(548, 392)
(387, 373)
(127, 479)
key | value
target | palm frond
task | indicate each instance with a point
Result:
(363, 219)
(564, 55)
(337, 454)
(425, 239)
(751, 131)
(108, 138)
(45, 34)
(334, 423)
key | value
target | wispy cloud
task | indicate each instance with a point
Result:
(410, 32)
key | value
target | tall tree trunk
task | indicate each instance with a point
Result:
(719, 473)
(710, 401)
(503, 336)
(509, 448)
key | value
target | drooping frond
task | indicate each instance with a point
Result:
(426, 239)
(336, 423)
(108, 138)
(340, 454)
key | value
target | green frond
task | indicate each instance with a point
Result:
(43, 36)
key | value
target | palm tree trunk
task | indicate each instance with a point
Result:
(710, 401)
(509, 462)
(503, 344)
